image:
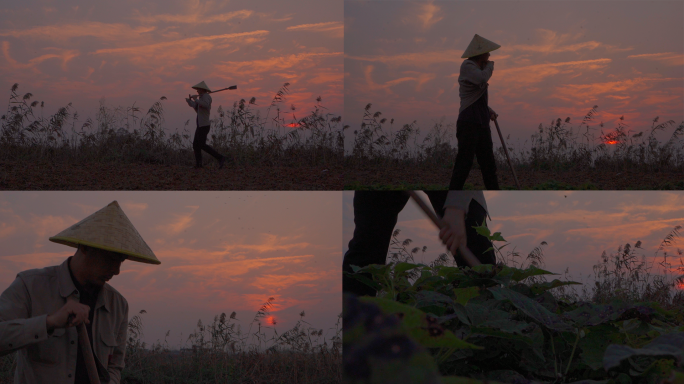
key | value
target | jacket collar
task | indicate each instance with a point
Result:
(67, 287)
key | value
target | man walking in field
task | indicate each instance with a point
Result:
(472, 127)
(201, 103)
(375, 215)
(40, 310)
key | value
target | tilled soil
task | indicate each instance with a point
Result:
(419, 178)
(15, 175)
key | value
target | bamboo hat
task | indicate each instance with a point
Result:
(479, 45)
(108, 229)
(201, 85)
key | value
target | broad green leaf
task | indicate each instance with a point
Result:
(669, 345)
(519, 275)
(538, 288)
(463, 295)
(426, 333)
(402, 267)
(593, 345)
(532, 309)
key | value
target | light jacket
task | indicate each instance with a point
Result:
(202, 106)
(461, 200)
(51, 358)
(472, 82)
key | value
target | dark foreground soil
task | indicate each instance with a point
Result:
(117, 176)
(420, 178)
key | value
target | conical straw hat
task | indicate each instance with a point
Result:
(478, 46)
(108, 229)
(201, 85)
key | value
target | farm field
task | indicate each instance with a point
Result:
(44, 175)
(556, 156)
(221, 352)
(398, 177)
(121, 148)
(516, 322)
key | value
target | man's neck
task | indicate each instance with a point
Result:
(75, 270)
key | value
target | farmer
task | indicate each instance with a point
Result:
(201, 103)
(40, 309)
(375, 215)
(472, 127)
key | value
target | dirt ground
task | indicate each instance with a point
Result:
(418, 178)
(113, 176)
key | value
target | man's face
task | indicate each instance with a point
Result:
(103, 265)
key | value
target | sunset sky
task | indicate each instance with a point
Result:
(557, 59)
(138, 51)
(219, 252)
(577, 225)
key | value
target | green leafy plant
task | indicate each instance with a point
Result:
(512, 324)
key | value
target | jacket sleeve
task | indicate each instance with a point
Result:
(17, 330)
(491, 110)
(461, 199)
(471, 73)
(204, 101)
(191, 103)
(116, 364)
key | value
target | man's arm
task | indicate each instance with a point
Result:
(16, 329)
(116, 362)
(191, 103)
(204, 101)
(461, 199)
(471, 73)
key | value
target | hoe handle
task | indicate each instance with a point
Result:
(507, 156)
(84, 342)
(467, 254)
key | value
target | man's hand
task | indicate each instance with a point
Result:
(494, 116)
(453, 235)
(70, 315)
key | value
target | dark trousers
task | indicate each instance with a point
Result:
(474, 140)
(199, 144)
(375, 215)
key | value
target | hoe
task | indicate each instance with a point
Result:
(467, 254)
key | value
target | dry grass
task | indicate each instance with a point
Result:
(557, 146)
(222, 352)
(126, 135)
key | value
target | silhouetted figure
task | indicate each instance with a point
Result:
(201, 103)
(472, 127)
(375, 215)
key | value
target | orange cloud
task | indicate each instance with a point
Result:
(62, 33)
(538, 72)
(7, 230)
(134, 209)
(584, 92)
(180, 223)
(553, 42)
(200, 16)
(335, 28)
(221, 270)
(428, 17)
(275, 283)
(298, 61)
(270, 243)
(667, 58)
(64, 55)
(181, 50)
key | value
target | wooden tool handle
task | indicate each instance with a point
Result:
(467, 254)
(503, 144)
(86, 349)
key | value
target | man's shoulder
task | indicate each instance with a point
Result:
(39, 273)
(115, 295)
